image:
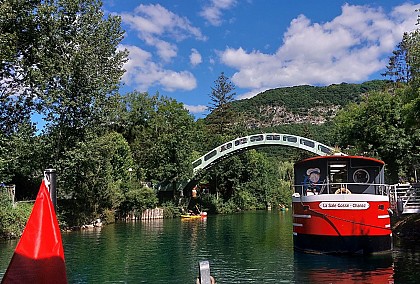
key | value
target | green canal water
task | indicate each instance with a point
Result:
(252, 247)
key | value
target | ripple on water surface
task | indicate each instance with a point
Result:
(254, 247)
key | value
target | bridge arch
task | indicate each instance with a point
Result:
(242, 144)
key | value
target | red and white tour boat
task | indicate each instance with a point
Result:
(340, 205)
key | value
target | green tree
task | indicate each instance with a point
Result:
(267, 180)
(161, 134)
(220, 120)
(19, 45)
(96, 183)
(376, 127)
(80, 68)
(386, 124)
(398, 68)
(59, 58)
(137, 199)
(249, 181)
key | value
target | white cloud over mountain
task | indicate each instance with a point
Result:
(348, 48)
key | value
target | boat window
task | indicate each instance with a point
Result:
(210, 155)
(308, 143)
(197, 163)
(290, 138)
(338, 173)
(361, 176)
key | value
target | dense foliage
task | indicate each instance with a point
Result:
(386, 124)
(160, 133)
(60, 60)
(12, 218)
(302, 98)
(221, 96)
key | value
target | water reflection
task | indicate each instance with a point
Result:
(406, 257)
(254, 247)
(311, 268)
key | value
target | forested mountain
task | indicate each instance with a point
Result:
(301, 104)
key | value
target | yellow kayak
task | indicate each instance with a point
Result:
(188, 216)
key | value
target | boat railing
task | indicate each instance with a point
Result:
(405, 198)
(342, 188)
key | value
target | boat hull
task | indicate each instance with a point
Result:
(342, 223)
(342, 244)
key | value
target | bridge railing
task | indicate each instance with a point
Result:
(260, 140)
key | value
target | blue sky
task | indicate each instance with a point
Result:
(179, 48)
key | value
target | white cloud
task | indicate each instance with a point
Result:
(142, 73)
(195, 57)
(155, 25)
(349, 48)
(165, 50)
(250, 94)
(196, 109)
(183, 80)
(161, 30)
(213, 11)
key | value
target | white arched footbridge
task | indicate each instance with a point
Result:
(259, 140)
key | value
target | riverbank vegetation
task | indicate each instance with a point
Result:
(65, 66)
(12, 218)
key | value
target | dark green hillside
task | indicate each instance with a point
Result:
(307, 106)
(300, 98)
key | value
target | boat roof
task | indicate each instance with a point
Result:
(341, 157)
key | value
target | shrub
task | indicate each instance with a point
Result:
(138, 199)
(170, 210)
(12, 218)
(108, 216)
(216, 205)
(245, 200)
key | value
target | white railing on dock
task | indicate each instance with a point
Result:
(148, 214)
(405, 198)
(156, 213)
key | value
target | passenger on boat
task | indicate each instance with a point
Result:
(311, 179)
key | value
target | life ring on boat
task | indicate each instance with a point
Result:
(342, 191)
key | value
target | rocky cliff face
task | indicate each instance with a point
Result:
(270, 116)
(302, 104)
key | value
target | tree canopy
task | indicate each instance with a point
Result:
(386, 124)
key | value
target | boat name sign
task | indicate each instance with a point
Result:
(344, 205)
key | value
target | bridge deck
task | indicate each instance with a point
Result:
(260, 140)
